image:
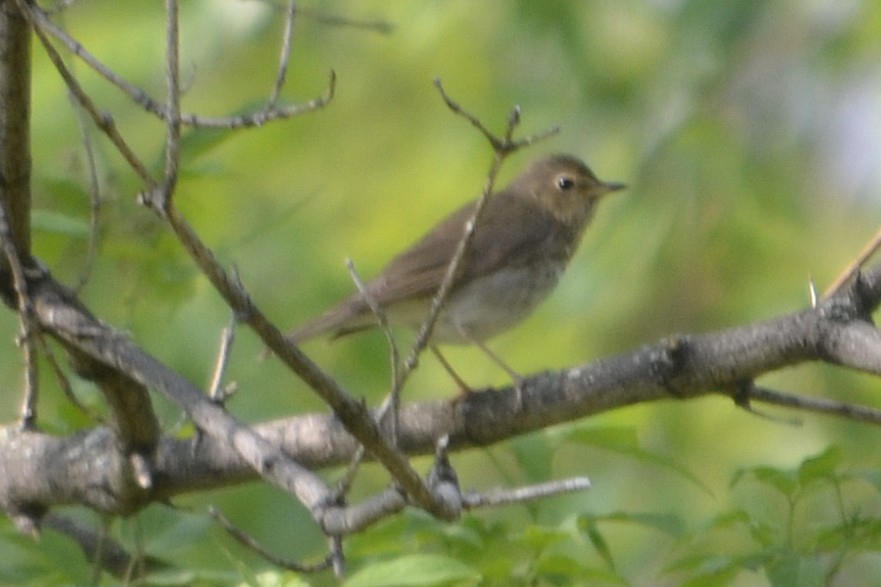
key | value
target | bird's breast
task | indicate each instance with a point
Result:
(495, 302)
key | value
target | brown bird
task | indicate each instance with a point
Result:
(522, 243)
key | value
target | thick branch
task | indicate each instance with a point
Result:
(15, 96)
(60, 315)
(677, 367)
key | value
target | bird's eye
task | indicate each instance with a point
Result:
(565, 182)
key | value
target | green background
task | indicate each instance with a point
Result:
(749, 133)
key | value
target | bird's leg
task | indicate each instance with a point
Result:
(516, 379)
(464, 387)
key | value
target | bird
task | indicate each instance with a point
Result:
(522, 243)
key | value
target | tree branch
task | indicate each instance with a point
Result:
(15, 118)
(680, 367)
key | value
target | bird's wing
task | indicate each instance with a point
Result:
(509, 228)
(419, 271)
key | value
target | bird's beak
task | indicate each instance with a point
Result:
(611, 187)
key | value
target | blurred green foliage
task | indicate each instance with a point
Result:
(749, 133)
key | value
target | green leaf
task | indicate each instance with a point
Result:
(568, 568)
(708, 570)
(796, 571)
(764, 534)
(821, 467)
(417, 569)
(540, 537)
(784, 482)
(598, 542)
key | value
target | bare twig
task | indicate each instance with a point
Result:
(386, 330)
(854, 266)
(688, 367)
(284, 57)
(64, 382)
(102, 120)
(377, 26)
(336, 555)
(502, 147)
(28, 412)
(98, 548)
(15, 129)
(816, 405)
(439, 299)
(505, 144)
(254, 119)
(227, 337)
(247, 541)
(94, 194)
(353, 415)
(497, 497)
(392, 401)
(172, 96)
(26, 322)
(812, 291)
(743, 396)
(78, 330)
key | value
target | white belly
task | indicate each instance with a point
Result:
(493, 304)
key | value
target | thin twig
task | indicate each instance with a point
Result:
(817, 405)
(352, 414)
(28, 413)
(440, 298)
(227, 337)
(105, 553)
(216, 392)
(854, 266)
(94, 194)
(380, 26)
(506, 144)
(254, 119)
(104, 121)
(496, 497)
(249, 542)
(812, 291)
(285, 56)
(381, 317)
(64, 382)
(356, 418)
(392, 401)
(26, 322)
(338, 559)
(172, 121)
(742, 394)
(502, 147)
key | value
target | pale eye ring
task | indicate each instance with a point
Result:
(565, 182)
